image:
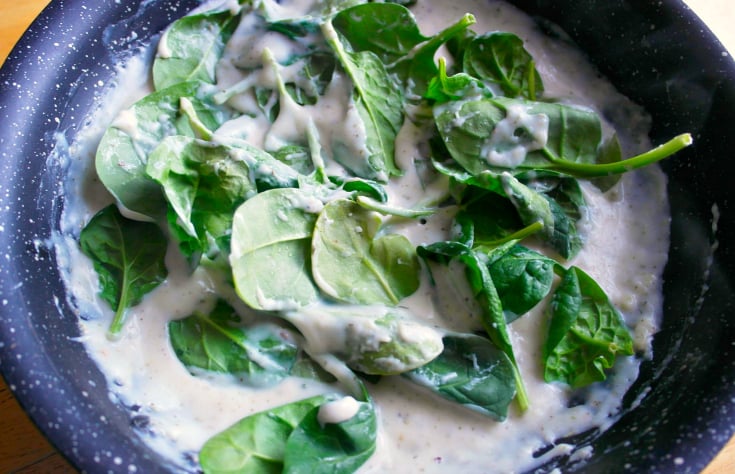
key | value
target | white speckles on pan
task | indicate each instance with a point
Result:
(50, 81)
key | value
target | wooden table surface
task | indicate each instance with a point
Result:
(23, 449)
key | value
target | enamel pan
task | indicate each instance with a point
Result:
(680, 412)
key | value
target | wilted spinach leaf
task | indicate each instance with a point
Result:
(387, 29)
(259, 355)
(123, 151)
(500, 58)
(368, 338)
(315, 447)
(470, 371)
(379, 104)
(270, 248)
(128, 257)
(586, 332)
(256, 444)
(522, 277)
(203, 185)
(191, 48)
(354, 265)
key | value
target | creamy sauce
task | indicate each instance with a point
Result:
(626, 244)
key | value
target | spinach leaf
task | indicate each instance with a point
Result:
(271, 242)
(523, 278)
(470, 371)
(586, 332)
(486, 294)
(203, 185)
(123, 151)
(500, 58)
(499, 133)
(369, 338)
(493, 318)
(128, 257)
(257, 443)
(387, 29)
(259, 355)
(567, 205)
(443, 88)
(379, 104)
(418, 68)
(191, 48)
(493, 216)
(353, 264)
(495, 134)
(315, 447)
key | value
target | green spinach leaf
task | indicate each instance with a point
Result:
(203, 185)
(128, 257)
(270, 248)
(259, 355)
(484, 290)
(373, 339)
(315, 447)
(191, 47)
(379, 104)
(500, 58)
(522, 277)
(586, 332)
(387, 29)
(353, 264)
(470, 371)
(123, 151)
(495, 134)
(257, 443)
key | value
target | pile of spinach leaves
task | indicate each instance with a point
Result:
(291, 234)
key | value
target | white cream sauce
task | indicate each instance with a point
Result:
(626, 245)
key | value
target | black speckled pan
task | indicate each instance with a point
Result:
(680, 412)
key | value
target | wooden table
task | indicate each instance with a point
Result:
(23, 449)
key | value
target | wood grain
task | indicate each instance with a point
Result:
(23, 449)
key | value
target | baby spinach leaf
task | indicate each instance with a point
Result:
(203, 185)
(493, 318)
(493, 216)
(443, 88)
(259, 355)
(499, 133)
(128, 257)
(387, 29)
(123, 151)
(470, 371)
(418, 68)
(271, 242)
(257, 443)
(500, 58)
(369, 338)
(486, 294)
(567, 205)
(586, 332)
(379, 104)
(267, 171)
(522, 277)
(315, 447)
(354, 265)
(485, 134)
(191, 48)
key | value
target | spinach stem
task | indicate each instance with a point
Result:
(373, 205)
(488, 245)
(584, 170)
